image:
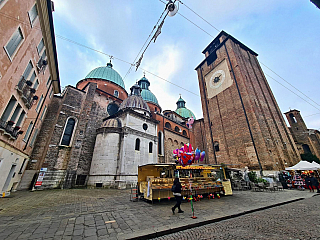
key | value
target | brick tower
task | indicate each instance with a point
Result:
(244, 125)
(307, 140)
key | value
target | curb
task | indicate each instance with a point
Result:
(198, 224)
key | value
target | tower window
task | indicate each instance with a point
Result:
(116, 93)
(216, 146)
(150, 147)
(68, 132)
(293, 118)
(137, 147)
(184, 133)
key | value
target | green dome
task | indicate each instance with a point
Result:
(146, 94)
(182, 110)
(107, 73)
(185, 113)
(149, 96)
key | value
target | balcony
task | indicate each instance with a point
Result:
(26, 92)
(9, 130)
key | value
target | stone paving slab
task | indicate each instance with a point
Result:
(108, 213)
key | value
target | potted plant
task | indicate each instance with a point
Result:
(16, 128)
(32, 90)
(35, 98)
(29, 83)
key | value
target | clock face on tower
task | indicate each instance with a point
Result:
(218, 79)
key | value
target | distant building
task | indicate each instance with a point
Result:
(307, 140)
(29, 77)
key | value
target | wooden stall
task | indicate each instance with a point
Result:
(155, 180)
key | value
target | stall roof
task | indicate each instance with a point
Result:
(158, 164)
(303, 165)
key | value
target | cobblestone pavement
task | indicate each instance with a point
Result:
(298, 220)
(108, 213)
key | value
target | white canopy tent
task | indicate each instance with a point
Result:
(316, 164)
(304, 165)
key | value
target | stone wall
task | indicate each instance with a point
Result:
(172, 141)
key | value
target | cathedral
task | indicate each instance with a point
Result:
(96, 134)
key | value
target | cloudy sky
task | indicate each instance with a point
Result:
(285, 34)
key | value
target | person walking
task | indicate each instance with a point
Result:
(307, 180)
(314, 183)
(176, 189)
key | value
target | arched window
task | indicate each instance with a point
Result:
(168, 125)
(137, 147)
(306, 148)
(68, 132)
(184, 133)
(177, 129)
(176, 142)
(159, 143)
(216, 146)
(150, 147)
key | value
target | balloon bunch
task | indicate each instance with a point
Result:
(190, 122)
(186, 155)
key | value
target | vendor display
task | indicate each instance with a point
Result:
(155, 181)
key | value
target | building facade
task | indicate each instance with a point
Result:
(307, 140)
(29, 77)
(244, 125)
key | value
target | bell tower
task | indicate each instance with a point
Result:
(240, 112)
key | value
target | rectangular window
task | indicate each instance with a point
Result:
(16, 113)
(116, 93)
(36, 84)
(27, 71)
(44, 55)
(39, 103)
(40, 46)
(20, 120)
(21, 168)
(48, 82)
(43, 112)
(14, 43)
(51, 92)
(7, 112)
(34, 137)
(32, 77)
(28, 132)
(33, 13)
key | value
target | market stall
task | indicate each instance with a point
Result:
(155, 180)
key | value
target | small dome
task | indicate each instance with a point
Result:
(135, 100)
(185, 113)
(106, 73)
(112, 123)
(146, 94)
(182, 110)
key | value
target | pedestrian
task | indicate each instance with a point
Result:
(314, 183)
(307, 180)
(176, 189)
